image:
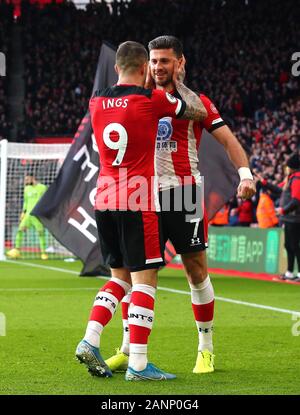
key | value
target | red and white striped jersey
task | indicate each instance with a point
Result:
(177, 146)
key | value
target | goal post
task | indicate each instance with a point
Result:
(23, 235)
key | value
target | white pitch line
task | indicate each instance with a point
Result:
(230, 300)
(28, 264)
(171, 290)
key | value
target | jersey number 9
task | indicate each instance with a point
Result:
(120, 144)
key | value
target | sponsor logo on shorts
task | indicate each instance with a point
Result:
(195, 241)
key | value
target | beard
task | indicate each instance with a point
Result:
(163, 82)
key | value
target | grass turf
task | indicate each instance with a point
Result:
(47, 310)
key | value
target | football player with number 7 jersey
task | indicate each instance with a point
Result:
(125, 120)
(181, 185)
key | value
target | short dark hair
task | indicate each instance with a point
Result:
(167, 42)
(131, 55)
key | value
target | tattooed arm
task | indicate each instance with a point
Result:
(195, 109)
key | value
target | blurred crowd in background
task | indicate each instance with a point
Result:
(238, 53)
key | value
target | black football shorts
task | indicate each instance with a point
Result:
(184, 220)
(130, 239)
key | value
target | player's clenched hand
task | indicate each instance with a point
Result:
(179, 70)
(246, 189)
(149, 83)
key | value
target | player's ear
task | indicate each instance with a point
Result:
(117, 69)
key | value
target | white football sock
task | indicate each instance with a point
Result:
(138, 357)
(140, 318)
(92, 334)
(126, 334)
(202, 296)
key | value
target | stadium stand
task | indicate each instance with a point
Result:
(237, 52)
(61, 53)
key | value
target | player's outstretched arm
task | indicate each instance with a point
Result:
(195, 109)
(237, 155)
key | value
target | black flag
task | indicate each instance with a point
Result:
(66, 209)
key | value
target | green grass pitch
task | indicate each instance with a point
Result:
(46, 312)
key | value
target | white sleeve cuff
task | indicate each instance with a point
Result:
(245, 173)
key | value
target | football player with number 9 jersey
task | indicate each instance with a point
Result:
(125, 120)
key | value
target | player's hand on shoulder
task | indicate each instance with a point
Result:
(246, 189)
